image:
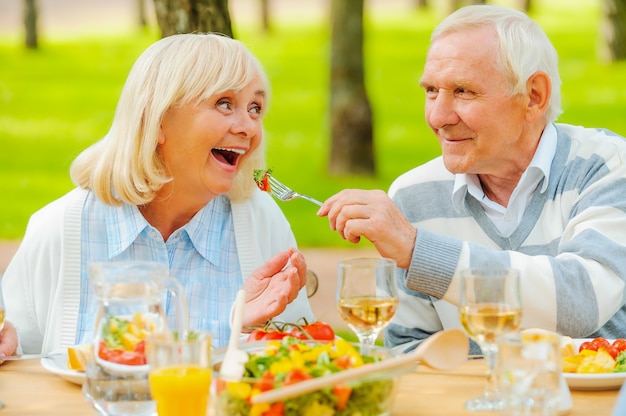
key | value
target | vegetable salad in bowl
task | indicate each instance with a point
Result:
(276, 363)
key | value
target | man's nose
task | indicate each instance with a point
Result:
(441, 112)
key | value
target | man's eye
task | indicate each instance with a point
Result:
(431, 92)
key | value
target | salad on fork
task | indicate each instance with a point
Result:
(267, 183)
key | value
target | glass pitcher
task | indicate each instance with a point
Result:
(130, 299)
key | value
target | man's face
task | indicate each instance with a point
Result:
(481, 128)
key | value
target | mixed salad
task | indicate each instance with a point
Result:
(123, 340)
(261, 177)
(291, 360)
(597, 355)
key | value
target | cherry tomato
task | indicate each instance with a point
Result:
(256, 335)
(588, 345)
(619, 344)
(317, 330)
(266, 382)
(295, 376)
(601, 343)
(613, 351)
(140, 347)
(121, 356)
(263, 335)
(343, 362)
(342, 393)
(269, 335)
(276, 409)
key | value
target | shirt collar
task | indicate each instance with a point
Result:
(541, 161)
(208, 227)
(125, 224)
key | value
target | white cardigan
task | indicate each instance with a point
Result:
(42, 282)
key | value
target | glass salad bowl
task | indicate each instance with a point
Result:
(274, 364)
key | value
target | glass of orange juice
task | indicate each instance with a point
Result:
(180, 373)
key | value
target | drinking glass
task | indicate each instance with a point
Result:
(1, 319)
(2, 313)
(489, 307)
(180, 373)
(367, 296)
(529, 368)
(130, 305)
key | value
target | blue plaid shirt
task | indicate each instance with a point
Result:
(202, 255)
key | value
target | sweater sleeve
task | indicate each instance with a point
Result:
(33, 281)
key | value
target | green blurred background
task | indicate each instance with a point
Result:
(58, 99)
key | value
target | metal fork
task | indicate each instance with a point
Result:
(284, 193)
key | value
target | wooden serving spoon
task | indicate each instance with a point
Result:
(443, 350)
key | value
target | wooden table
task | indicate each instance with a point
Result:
(26, 388)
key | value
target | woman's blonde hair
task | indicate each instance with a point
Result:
(124, 166)
(524, 46)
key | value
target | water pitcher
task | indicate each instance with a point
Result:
(130, 298)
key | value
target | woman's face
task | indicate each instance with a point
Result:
(203, 145)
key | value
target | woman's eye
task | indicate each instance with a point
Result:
(255, 108)
(223, 104)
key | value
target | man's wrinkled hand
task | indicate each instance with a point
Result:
(356, 213)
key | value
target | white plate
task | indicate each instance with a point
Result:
(601, 381)
(122, 369)
(57, 364)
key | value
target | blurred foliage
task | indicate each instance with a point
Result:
(57, 100)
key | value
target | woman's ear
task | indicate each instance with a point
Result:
(161, 136)
(538, 88)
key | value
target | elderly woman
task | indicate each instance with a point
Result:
(171, 182)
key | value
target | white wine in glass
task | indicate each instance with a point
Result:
(490, 306)
(367, 296)
(2, 313)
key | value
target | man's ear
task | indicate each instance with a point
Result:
(539, 89)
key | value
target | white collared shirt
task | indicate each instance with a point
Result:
(507, 219)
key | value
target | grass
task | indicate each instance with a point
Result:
(57, 100)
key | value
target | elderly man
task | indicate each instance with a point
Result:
(512, 188)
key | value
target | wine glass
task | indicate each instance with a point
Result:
(1, 306)
(490, 306)
(367, 296)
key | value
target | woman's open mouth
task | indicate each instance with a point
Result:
(227, 155)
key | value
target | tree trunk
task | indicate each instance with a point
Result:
(445, 7)
(523, 5)
(30, 23)
(185, 16)
(613, 47)
(141, 13)
(350, 113)
(265, 15)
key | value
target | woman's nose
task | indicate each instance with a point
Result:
(243, 124)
